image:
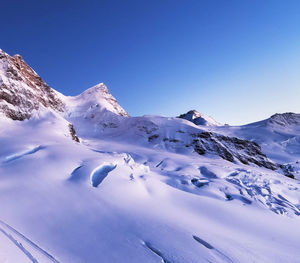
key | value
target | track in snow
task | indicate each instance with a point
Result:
(218, 253)
(17, 156)
(156, 252)
(27, 241)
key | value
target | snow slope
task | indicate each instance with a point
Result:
(150, 204)
(143, 189)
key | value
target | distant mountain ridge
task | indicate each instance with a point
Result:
(283, 119)
(95, 112)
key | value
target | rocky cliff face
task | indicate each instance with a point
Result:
(231, 149)
(22, 90)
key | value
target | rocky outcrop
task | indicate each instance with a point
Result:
(73, 133)
(22, 90)
(231, 149)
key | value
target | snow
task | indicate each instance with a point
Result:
(100, 172)
(135, 189)
(156, 205)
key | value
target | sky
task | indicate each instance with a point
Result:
(237, 61)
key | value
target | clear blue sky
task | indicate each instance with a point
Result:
(238, 61)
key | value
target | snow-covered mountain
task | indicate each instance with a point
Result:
(288, 119)
(279, 137)
(24, 93)
(93, 110)
(199, 118)
(94, 101)
(140, 189)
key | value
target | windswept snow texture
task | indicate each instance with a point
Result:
(150, 202)
(140, 189)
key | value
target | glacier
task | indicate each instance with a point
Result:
(140, 189)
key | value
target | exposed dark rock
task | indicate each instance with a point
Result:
(152, 137)
(22, 91)
(198, 149)
(204, 135)
(148, 129)
(231, 149)
(170, 140)
(287, 170)
(73, 133)
(109, 125)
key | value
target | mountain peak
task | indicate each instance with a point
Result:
(17, 56)
(98, 98)
(24, 93)
(199, 119)
(100, 87)
(285, 119)
(96, 92)
(22, 90)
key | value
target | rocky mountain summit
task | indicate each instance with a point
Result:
(22, 91)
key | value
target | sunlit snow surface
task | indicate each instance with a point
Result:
(127, 200)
